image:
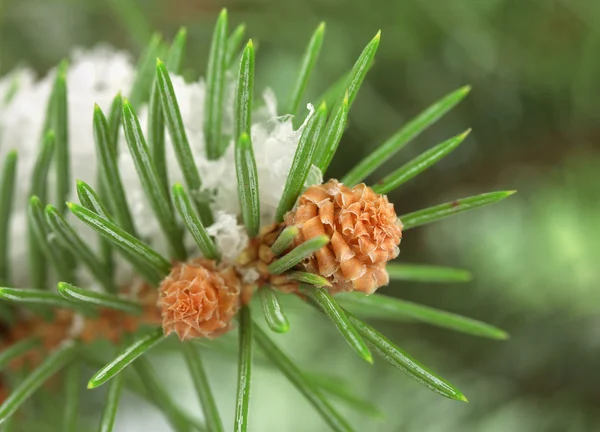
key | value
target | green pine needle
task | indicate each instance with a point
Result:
(60, 126)
(70, 240)
(350, 83)
(158, 394)
(131, 245)
(93, 298)
(410, 131)
(52, 251)
(207, 400)
(91, 201)
(140, 91)
(72, 395)
(335, 91)
(113, 396)
(115, 118)
(361, 67)
(34, 380)
(244, 371)
(309, 278)
(233, 44)
(148, 388)
(176, 52)
(334, 312)
(310, 391)
(405, 363)
(244, 93)
(339, 390)
(306, 67)
(285, 240)
(418, 164)
(156, 136)
(331, 137)
(114, 124)
(7, 189)
(39, 180)
(183, 152)
(153, 186)
(59, 122)
(192, 221)
(107, 157)
(49, 115)
(296, 255)
(303, 160)
(107, 258)
(247, 180)
(126, 357)
(426, 273)
(274, 316)
(433, 214)
(17, 350)
(215, 88)
(384, 307)
(156, 124)
(35, 297)
(39, 175)
(132, 19)
(156, 121)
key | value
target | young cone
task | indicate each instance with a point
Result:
(199, 299)
(364, 231)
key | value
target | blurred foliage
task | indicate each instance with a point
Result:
(534, 69)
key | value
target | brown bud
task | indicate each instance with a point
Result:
(199, 299)
(364, 231)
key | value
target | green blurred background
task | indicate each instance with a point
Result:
(535, 72)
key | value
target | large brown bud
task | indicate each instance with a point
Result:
(364, 231)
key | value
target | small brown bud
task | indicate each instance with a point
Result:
(265, 254)
(199, 299)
